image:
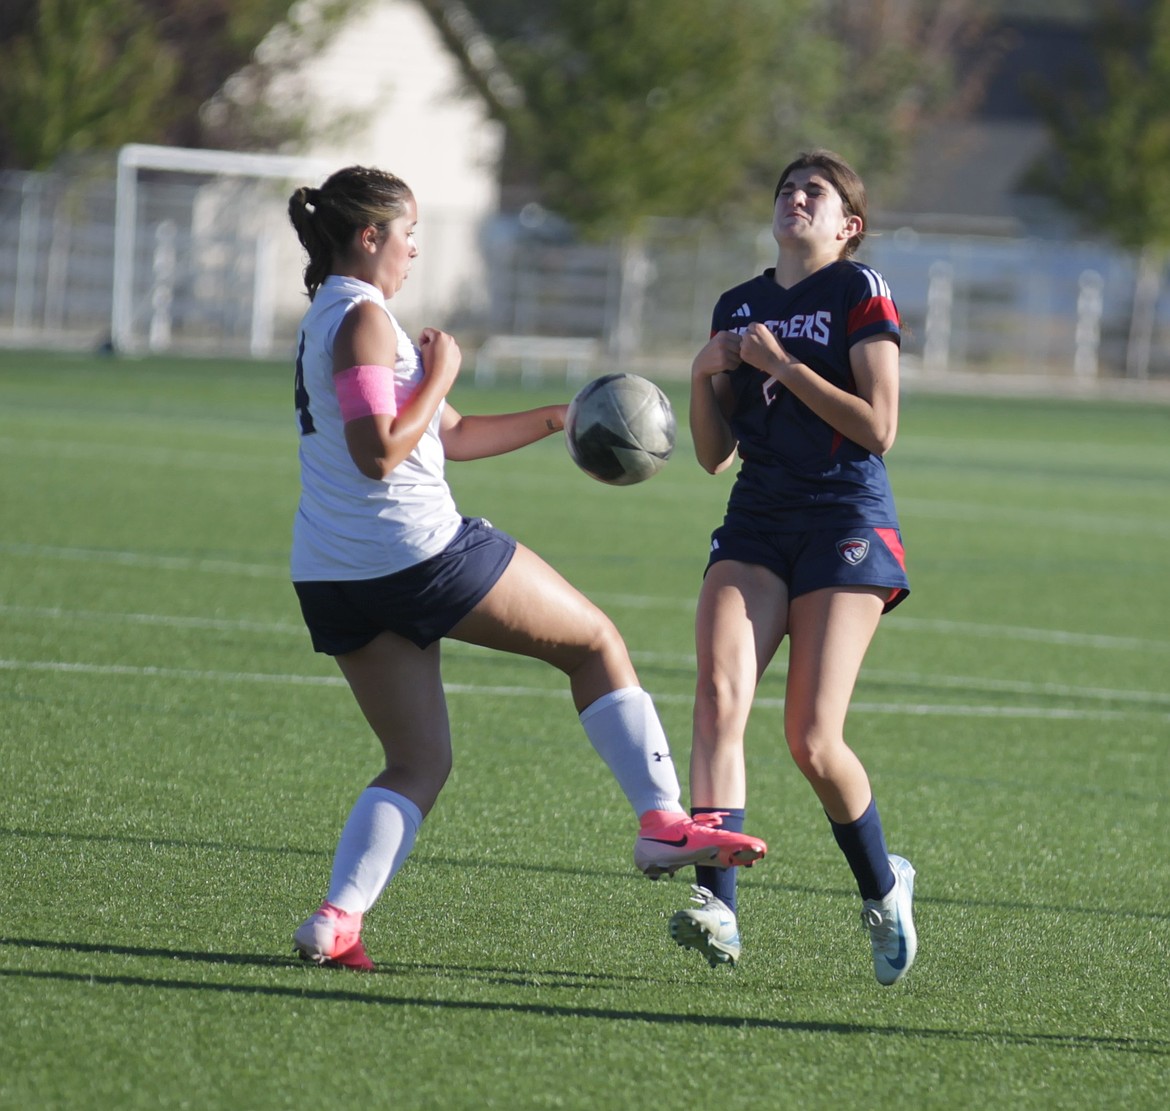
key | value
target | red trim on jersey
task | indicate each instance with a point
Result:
(890, 539)
(876, 310)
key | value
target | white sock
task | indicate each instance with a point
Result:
(624, 728)
(375, 842)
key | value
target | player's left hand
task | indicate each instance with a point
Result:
(759, 348)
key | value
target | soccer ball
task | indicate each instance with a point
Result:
(620, 429)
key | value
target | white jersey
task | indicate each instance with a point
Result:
(349, 526)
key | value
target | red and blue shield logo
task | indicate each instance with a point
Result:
(853, 550)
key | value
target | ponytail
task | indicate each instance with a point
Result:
(326, 219)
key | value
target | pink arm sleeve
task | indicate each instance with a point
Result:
(365, 390)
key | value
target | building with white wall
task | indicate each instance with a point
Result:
(386, 92)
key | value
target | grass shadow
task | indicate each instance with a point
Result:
(421, 857)
(1146, 1047)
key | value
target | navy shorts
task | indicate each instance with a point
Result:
(847, 556)
(422, 603)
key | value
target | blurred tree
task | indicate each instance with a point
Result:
(230, 51)
(1111, 132)
(900, 60)
(616, 109)
(76, 75)
(85, 75)
(622, 109)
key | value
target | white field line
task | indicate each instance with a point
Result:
(281, 461)
(155, 562)
(1014, 686)
(895, 708)
(928, 680)
(151, 672)
(120, 455)
(895, 623)
(1026, 515)
(974, 684)
(168, 621)
(245, 429)
(1021, 632)
(626, 601)
(931, 625)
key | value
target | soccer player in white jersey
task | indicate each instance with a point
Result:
(385, 565)
(800, 381)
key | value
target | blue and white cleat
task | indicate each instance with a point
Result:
(890, 922)
(709, 927)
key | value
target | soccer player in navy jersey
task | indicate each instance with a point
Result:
(800, 380)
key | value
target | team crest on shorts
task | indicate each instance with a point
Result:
(853, 550)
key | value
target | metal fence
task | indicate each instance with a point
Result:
(217, 271)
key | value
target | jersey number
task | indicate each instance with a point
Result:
(301, 395)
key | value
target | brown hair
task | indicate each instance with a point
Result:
(843, 178)
(325, 219)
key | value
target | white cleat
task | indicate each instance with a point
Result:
(709, 927)
(890, 922)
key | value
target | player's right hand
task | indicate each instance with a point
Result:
(441, 356)
(720, 353)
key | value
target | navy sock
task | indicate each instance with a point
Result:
(864, 846)
(720, 881)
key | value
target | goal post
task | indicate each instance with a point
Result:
(140, 312)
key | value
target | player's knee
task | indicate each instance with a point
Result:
(420, 779)
(596, 645)
(718, 700)
(605, 641)
(812, 751)
(426, 761)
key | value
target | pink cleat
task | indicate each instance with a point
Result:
(332, 936)
(669, 840)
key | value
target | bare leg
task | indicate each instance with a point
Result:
(530, 611)
(739, 624)
(533, 611)
(400, 690)
(738, 628)
(830, 631)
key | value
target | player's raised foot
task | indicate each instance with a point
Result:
(890, 922)
(709, 927)
(669, 840)
(332, 936)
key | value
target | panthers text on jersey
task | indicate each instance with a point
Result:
(797, 471)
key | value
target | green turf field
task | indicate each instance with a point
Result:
(177, 764)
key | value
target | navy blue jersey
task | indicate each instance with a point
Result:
(797, 471)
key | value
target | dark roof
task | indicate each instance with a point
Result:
(1032, 56)
(972, 174)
